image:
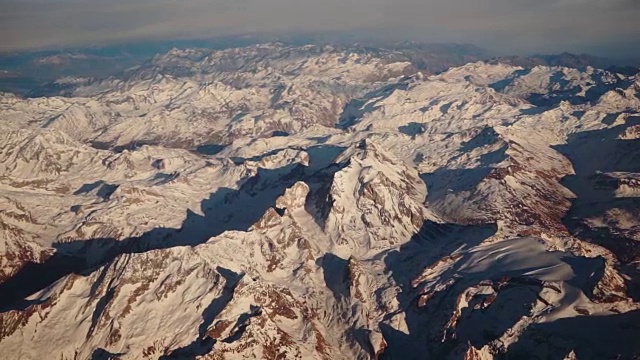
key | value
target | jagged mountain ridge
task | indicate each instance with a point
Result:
(427, 204)
(190, 98)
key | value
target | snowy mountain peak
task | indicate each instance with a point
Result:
(294, 202)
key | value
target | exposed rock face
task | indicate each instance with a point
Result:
(294, 198)
(191, 98)
(489, 212)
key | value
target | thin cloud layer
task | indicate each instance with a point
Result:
(518, 26)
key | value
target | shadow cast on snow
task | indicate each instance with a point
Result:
(429, 331)
(429, 334)
(589, 337)
(433, 242)
(356, 108)
(445, 181)
(204, 343)
(226, 209)
(593, 154)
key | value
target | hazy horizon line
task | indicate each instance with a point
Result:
(350, 37)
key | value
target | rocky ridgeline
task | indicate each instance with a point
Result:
(305, 202)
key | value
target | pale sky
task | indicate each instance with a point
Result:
(609, 28)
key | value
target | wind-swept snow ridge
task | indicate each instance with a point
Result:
(278, 202)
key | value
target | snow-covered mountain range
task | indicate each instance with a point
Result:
(311, 202)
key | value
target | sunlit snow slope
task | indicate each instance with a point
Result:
(278, 202)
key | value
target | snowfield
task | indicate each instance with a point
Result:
(278, 202)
